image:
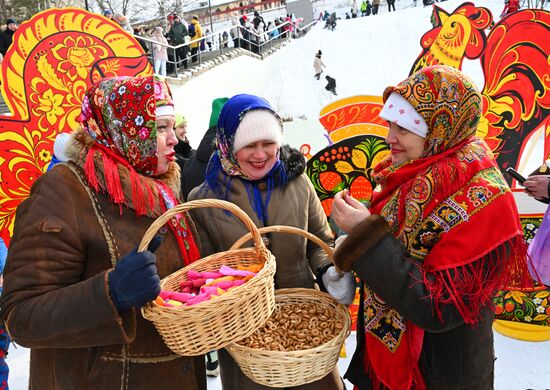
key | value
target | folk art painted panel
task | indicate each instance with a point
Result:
(55, 57)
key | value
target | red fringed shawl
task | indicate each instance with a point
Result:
(457, 217)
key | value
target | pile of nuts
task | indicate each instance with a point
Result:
(295, 327)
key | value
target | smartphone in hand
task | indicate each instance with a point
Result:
(515, 174)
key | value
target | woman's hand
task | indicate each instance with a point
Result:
(347, 211)
(537, 186)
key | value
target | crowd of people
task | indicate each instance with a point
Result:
(366, 8)
(252, 34)
(186, 36)
(190, 38)
(420, 297)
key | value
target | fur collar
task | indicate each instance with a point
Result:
(77, 150)
(293, 160)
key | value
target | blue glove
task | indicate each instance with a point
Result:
(340, 286)
(134, 280)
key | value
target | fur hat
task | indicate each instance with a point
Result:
(59, 146)
(258, 125)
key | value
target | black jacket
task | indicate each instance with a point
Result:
(184, 152)
(193, 171)
(6, 38)
(257, 20)
(331, 83)
(177, 33)
(454, 356)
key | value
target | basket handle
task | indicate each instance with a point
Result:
(202, 203)
(287, 229)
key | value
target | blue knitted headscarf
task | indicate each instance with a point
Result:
(224, 160)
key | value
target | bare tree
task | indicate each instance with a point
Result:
(22, 10)
(135, 10)
(3, 11)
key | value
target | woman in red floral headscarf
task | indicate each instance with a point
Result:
(74, 284)
(440, 237)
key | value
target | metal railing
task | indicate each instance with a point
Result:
(181, 56)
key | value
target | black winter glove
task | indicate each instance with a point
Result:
(134, 280)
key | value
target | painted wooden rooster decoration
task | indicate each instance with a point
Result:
(55, 57)
(514, 57)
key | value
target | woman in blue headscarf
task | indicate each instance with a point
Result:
(252, 169)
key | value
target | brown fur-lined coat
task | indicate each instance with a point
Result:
(56, 299)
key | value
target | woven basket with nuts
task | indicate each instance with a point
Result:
(295, 327)
(300, 343)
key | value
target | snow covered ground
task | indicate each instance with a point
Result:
(364, 55)
(519, 365)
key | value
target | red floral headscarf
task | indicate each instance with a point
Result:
(119, 114)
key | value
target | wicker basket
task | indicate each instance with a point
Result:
(294, 368)
(195, 330)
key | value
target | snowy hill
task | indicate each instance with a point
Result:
(364, 55)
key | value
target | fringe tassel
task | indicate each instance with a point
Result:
(150, 198)
(183, 234)
(418, 382)
(472, 286)
(418, 379)
(518, 275)
(89, 170)
(143, 198)
(112, 180)
(138, 196)
(375, 381)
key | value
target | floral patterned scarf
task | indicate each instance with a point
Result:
(437, 206)
(119, 114)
